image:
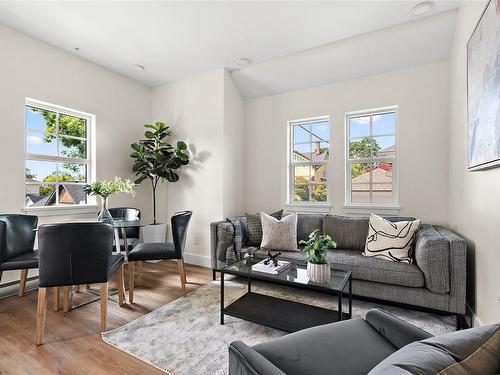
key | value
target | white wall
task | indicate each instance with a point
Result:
(30, 68)
(474, 200)
(422, 96)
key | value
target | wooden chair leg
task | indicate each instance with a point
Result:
(182, 273)
(121, 285)
(104, 305)
(139, 272)
(67, 300)
(131, 282)
(41, 308)
(22, 282)
(55, 299)
(77, 289)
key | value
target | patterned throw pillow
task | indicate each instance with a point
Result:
(254, 227)
(279, 234)
(390, 240)
(229, 240)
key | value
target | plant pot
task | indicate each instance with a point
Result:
(154, 233)
(318, 273)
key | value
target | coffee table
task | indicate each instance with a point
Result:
(285, 315)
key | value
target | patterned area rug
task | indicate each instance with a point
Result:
(185, 337)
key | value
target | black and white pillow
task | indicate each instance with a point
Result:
(254, 226)
(390, 240)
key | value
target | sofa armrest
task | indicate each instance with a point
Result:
(398, 332)
(243, 360)
(213, 244)
(432, 255)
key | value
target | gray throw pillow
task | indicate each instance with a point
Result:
(254, 226)
(279, 234)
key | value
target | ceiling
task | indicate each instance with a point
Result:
(175, 40)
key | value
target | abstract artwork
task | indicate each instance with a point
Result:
(483, 90)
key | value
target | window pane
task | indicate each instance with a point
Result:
(319, 173)
(301, 193)
(361, 148)
(72, 172)
(72, 148)
(384, 146)
(360, 182)
(301, 133)
(301, 153)
(73, 126)
(319, 193)
(41, 171)
(359, 127)
(71, 194)
(384, 124)
(382, 182)
(41, 143)
(40, 195)
(320, 131)
(301, 175)
(41, 120)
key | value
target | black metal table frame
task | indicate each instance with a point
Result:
(250, 277)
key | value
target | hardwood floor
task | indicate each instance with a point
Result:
(72, 343)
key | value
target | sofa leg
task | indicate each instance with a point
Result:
(214, 275)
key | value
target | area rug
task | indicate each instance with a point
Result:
(185, 336)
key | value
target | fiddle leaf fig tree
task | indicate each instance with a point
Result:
(156, 160)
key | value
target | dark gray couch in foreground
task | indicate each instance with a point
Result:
(435, 280)
(380, 344)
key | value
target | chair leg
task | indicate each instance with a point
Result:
(182, 273)
(131, 282)
(55, 299)
(77, 289)
(214, 275)
(22, 282)
(41, 308)
(104, 305)
(67, 300)
(139, 272)
(121, 285)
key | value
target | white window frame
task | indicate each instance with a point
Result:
(307, 205)
(394, 205)
(90, 206)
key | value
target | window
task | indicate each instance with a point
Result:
(371, 158)
(58, 162)
(308, 164)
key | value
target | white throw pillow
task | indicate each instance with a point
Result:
(279, 234)
(390, 241)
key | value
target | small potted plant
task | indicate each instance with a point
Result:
(104, 189)
(316, 248)
(157, 161)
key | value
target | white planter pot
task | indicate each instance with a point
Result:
(154, 233)
(318, 273)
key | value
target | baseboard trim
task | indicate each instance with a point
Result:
(197, 260)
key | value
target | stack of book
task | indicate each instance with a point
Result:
(282, 266)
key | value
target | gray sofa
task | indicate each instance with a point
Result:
(379, 344)
(436, 279)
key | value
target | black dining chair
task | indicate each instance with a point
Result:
(75, 254)
(17, 237)
(162, 250)
(130, 214)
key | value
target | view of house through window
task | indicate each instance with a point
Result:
(57, 156)
(371, 157)
(310, 151)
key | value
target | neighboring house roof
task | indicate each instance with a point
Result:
(388, 151)
(306, 156)
(75, 191)
(381, 180)
(34, 197)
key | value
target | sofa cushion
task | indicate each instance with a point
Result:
(471, 351)
(254, 227)
(335, 347)
(308, 223)
(378, 270)
(279, 234)
(432, 257)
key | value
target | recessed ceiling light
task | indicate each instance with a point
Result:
(422, 8)
(243, 61)
(139, 67)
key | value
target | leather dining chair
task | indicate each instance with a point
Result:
(74, 254)
(162, 250)
(17, 237)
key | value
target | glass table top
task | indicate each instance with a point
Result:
(122, 223)
(297, 274)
